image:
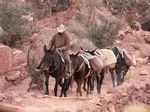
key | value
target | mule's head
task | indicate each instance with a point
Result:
(47, 59)
(124, 61)
(129, 60)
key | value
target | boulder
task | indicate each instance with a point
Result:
(142, 61)
(5, 59)
(14, 75)
(147, 88)
(144, 51)
(147, 39)
(2, 84)
(144, 72)
(121, 35)
(19, 58)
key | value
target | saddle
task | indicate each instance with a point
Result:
(93, 61)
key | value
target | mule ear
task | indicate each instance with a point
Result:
(45, 48)
(81, 48)
(92, 52)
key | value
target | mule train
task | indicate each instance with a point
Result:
(85, 65)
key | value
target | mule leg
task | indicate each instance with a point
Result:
(56, 87)
(79, 84)
(119, 73)
(71, 83)
(77, 90)
(63, 91)
(88, 85)
(68, 84)
(100, 81)
(113, 78)
(84, 84)
(60, 82)
(62, 88)
(123, 73)
(66, 87)
(47, 83)
(92, 82)
(119, 77)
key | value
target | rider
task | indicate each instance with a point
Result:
(61, 42)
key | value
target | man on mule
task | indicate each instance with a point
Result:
(61, 42)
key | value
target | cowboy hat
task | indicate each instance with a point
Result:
(61, 28)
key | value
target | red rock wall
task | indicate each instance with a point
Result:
(12, 66)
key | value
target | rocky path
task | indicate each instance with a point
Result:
(36, 101)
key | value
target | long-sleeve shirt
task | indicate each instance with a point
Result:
(61, 41)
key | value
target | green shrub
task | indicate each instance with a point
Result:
(92, 3)
(80, 18)
(122, 5)
(14, 26)
(77, 28)
(143, 6)
(105, 34)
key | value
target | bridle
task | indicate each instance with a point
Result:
(57, 65)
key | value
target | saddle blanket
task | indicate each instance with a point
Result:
(107, 56)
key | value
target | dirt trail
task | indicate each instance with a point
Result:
(36, 101)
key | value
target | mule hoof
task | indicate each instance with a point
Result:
(47, 93)
(84, 89)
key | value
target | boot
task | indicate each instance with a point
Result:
(68, 70)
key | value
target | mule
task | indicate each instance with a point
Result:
(53, 65)
(123, 64)
(88, 79)
(102, 68)
(81, 72)
(119, 69)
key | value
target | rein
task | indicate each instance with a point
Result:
(57, 64)
(54, 68)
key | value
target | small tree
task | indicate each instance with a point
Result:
(105, 34)
(14, 26)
